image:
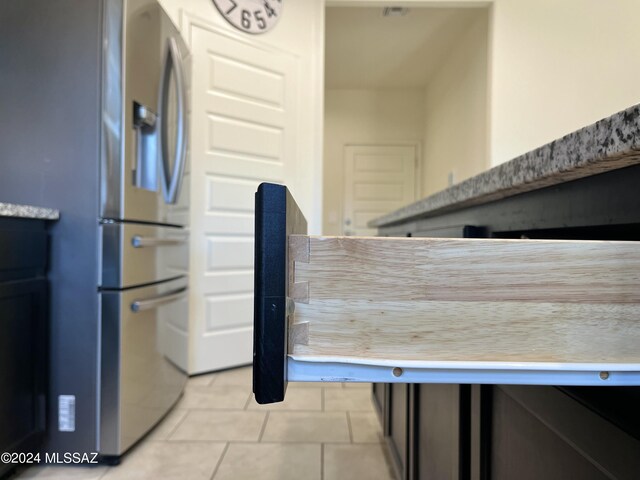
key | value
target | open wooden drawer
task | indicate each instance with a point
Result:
(420, 310)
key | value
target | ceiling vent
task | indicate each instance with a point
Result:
(394, 11)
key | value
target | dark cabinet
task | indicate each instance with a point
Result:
(542, 432)
(23, 336)
(22, 363)
(499, 432)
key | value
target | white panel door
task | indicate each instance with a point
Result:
(243, 133)
(378, 180)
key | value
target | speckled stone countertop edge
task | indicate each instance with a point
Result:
(609, 144)
(27, 211)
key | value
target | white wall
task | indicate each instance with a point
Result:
(364, 117)
(558, 66)
(456, 128)
(555, 66)
(300, 31)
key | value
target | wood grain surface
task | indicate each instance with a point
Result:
(490, 300)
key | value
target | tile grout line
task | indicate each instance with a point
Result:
(246, 404)
(322, 461)
(173, 430)
(224, 452)
(267, 409)
(253, 442)
(281, 410)
(350, 427)
(264, 427)
(99, 478)
(257, 410)
(216, 388)
(322, 400)
(211, 381)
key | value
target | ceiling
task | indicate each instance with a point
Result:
(363, 49)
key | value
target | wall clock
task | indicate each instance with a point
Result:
(251, 16)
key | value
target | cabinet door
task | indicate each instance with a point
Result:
(22, 365)
(432, 310)
(442, 431)
(541, 432)
(397, 434)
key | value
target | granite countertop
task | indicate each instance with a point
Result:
(27, 211)
(608, 144)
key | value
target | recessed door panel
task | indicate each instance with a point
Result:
(378, 179)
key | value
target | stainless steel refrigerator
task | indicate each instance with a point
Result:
(93, 121)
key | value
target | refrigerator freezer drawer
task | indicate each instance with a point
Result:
(138, 382)
(138, 254)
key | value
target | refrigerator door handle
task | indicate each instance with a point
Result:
(155, 302)
(171, 184)
(139, 241)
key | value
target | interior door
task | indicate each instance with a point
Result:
(439, 310)
(244, 132)
(378, 180)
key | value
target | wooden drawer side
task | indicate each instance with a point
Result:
(416, 302)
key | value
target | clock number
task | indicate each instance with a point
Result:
(246, 19)
(270, 11)
(262, 24)
(232, 8)
(250, 16)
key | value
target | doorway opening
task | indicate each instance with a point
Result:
(401, 82)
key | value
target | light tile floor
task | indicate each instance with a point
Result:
(217, 431)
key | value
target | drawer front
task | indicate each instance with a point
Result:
(139, 382)
(137, 254)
